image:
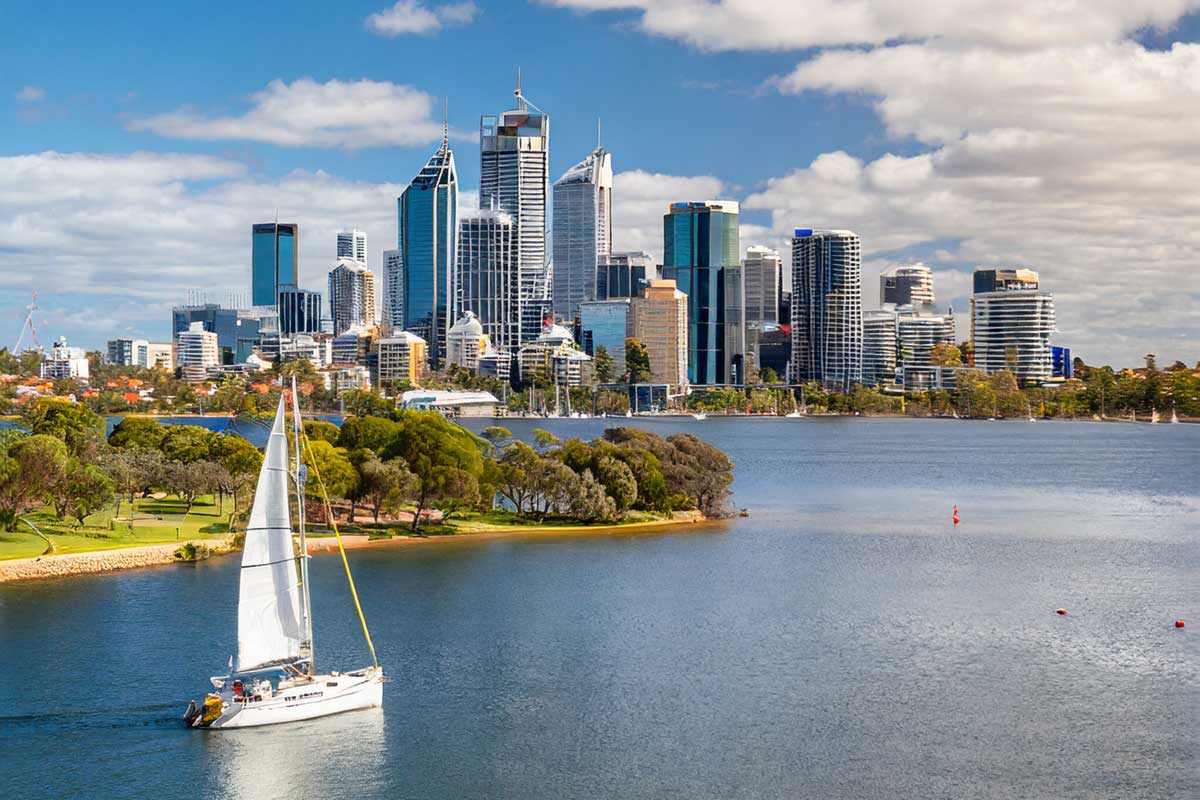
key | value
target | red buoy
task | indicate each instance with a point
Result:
(1062, 612)
(1178, 623)
(956, 514)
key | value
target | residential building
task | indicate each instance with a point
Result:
(275, 260)
(237, 330)
(351, 295)
(393, 290)
(906, 285)
(352, 346)
(624, 274)
(428, 226)
(466, 342)
(918, 332)
(352, 244)
(827, 322)
(401, 360)
(514, 178)
(495, 364)
(701, 254)
(137, 353)
(1011, 324)
(916, 378)
(196, 352)
(488, 279)
(582, 230)
(762, 285)
(64, 362)
(879, 348)
(605, 323)
(659, 320)
(552, 359)
(299, 310)
(344, 378)
(160, 355)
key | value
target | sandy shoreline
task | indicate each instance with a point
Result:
(69, 564)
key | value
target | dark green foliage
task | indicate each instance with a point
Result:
(142, 432)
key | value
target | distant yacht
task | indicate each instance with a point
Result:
(700, 416)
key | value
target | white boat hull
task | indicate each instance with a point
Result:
(321, 696)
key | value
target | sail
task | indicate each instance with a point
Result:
(269, 628)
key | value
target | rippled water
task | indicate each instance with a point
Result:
(845, 640)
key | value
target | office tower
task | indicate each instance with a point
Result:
(624, 274)
(196, 351)
(275, 259)
(352, 244)
(659, 320)
(762, 282)
(827, 323)
(351, 296)
(582, 230)
(605, 323)
(879, 348)
(428, 225)
(487, 277)
(466, 342)
(906, 285)
(237, 330)
(393, 290)
(701, 254)
(1011, 324)
(299, 311)
(400, 360)
(917, 332)
(514, 178)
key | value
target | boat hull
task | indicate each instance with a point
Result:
(323, 696)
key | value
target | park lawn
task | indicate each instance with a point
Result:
(156, 521)
(467, 522)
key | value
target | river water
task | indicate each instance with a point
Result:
(843, 641)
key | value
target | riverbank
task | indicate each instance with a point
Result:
(65, 565)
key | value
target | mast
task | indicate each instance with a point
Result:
(301, 476)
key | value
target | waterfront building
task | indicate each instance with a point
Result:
(451, 403)
(762, 285)
(582, 230)
(487, 280)
(918, 378)
(316, 348)
(879, 348)
(64, 362)
(773, 348)
(299, 310)
(1011, 324)
(351, 295)
(552, 359)
(624, 274)
(352, 244)
(514, 178)
(1061, 364)
(659, 320)
(906, 285)
(917, 332)
(428, 226)
(605, 323)
(701, 254)
(400, 359)
(393, 290)
(237, 330)
(466, 342)
(196, 352)
(827, 322)
(275, 260)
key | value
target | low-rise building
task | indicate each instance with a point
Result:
(466, 342)
(453, 404)
(553, 360)
(400, 360)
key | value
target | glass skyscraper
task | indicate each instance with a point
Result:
(605, 323)
(299, 311)
(700, 253)
(624, 275)
(582, 230)
(486, 282)
(428, 224)
(827, 321)
(275, 257)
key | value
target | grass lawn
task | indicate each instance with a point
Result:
(483, 522)
(155, 521)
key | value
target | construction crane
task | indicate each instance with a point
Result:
(28, 326)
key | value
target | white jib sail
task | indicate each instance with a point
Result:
(269, 629)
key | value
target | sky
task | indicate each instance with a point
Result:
(140, 142)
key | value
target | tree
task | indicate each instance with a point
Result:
(369, 433)
(186, 481)
(545, 439)
(456, 489)
(187, 443)
(330, 466)
(366, 404)
(90, 489)
(589, 501)
(768, 375)
(602, 363)
(319, 429)
(619, 484)
(31, 467)
(637, 361)
(74, 424)
(142, 432)
(383, 483)
(496, 435)
(943, 354)
(432, 446)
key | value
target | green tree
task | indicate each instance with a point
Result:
(432, 447)
(330, 466)
(90, 488)
(383, 483)
(320, 430)
(589, 502)
(186, 481)
(603, 364)
(74, 424)
(618, 481)
(367, 404)
(768, 375)
(142, 432)
(187, 444)
(31, 467)
(943, 354)
(637, 361)
(366, 433)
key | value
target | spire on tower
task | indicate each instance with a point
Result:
(446, 126)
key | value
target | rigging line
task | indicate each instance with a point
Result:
(272, 563)
(345, 562)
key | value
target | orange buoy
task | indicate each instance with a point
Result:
(1062, 612)
(1178, 623)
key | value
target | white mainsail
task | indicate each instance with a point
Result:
(269, 626)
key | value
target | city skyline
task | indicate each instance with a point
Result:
(165, 171)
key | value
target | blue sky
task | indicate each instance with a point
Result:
(953, 137)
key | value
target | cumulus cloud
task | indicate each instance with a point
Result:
(305, 113)
(411, 16)
(31, 94)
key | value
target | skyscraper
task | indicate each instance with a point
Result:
(762, 281)
(624, 274)
(1011, 324)
(700, 253)
(917, 333)
(274, 260)
(514, 177)
(393, 290)
(827, 322)
(906, 285)
(299, 311)
(351, 296)
(879, 347)
(605, 323)
(352, 244)
(658, 318)
(428, 224)
(486, 280)
(582, 230)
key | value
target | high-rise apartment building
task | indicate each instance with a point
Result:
(514, 178)
(659, 319)
(351, 295)
(138, 353)
(918, 332)
(582, 230)
(906, 285)
(605, 323)
(762, 284)
(275, 260)
(428, 227)
(400, 360)
(624, 274)
(196, 352)
(64, 362)
(827, 321)
(879, 347)
(701, 254)
(393, 290)
(299, 311)
(1011, 324)
(487, 280)
(352, 244)
(237, 330)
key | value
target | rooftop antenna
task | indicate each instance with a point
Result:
(597, 133)
(446, 126)
(28, 326)
(517, 92)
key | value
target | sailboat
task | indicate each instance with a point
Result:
(275, 614)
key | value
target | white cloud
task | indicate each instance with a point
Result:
(411, 16)
(640, 199)
(304, 113)
(31, 94)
